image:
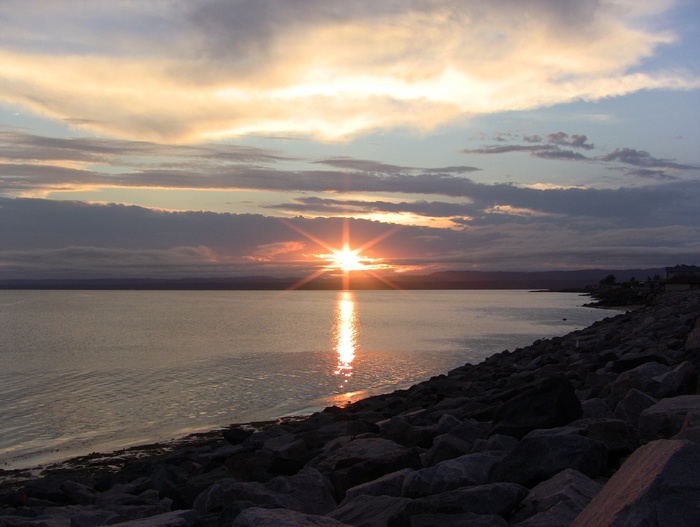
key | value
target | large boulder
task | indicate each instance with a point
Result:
(183, 518)
(257, 517)
(556, 501)
(547, 403)
(457, 520)
(632, 405)
(496, 499)
(369, 511)
(467, 470)
(657, 486)
(539, 457)
(387, 485)
(362, 460)
(665, 419)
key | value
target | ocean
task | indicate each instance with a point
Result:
(94, 371)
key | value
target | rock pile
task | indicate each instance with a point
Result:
(596, 428)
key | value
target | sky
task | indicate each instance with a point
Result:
(208, 138)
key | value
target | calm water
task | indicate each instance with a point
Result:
(84, 371)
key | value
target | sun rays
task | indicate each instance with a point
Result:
(347, 260)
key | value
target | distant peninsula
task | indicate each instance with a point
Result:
(578, 280)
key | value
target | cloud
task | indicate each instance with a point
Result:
(640, 158)
(574, 141)
(200, 69)
(548, 147)
(501, 226)
(656, 175)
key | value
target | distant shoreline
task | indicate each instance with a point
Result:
(553, 281)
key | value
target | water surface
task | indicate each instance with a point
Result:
(84, 371)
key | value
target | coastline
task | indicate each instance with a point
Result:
(601, 382)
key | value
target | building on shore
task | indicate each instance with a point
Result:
(682, 278)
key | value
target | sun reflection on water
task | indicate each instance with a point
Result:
(345, 333)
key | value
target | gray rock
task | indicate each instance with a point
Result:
(537, 458)
(169, 519)
(665, 419)
(309, 488)
(90, 518)
(78, 493)
(618, 435)
(166, 477)
(369, 511)
(227, 491)
(467, 470)
(546, 403)
(632, 405)
(560, 515)
(388, 485)
(657, 486)
(351, 452)
(257, 517)
(640, 378)
(596, 408)
(286, 446)
(495, 443)
(567, 492)
(496, 499)
(457, 520)
(446, 446)
(682, 380)
(399, 429)
(692, 343)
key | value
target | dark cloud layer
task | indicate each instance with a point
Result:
(495, 225)
(49, 238)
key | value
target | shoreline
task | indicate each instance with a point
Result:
(576, 413)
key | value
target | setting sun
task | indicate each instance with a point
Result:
(347, 260)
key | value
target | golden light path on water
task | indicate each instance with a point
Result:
(345, 333)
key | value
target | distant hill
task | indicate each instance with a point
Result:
(553, 280)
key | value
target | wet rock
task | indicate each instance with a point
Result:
(657, 486)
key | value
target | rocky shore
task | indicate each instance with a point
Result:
(597, 428)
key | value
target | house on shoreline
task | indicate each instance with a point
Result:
(682, 278)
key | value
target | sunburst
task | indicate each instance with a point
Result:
(347, 259)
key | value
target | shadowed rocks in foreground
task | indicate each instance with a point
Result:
(597, 428)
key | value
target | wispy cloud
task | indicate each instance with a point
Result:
(201, 69)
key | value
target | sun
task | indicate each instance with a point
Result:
(347, 260)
